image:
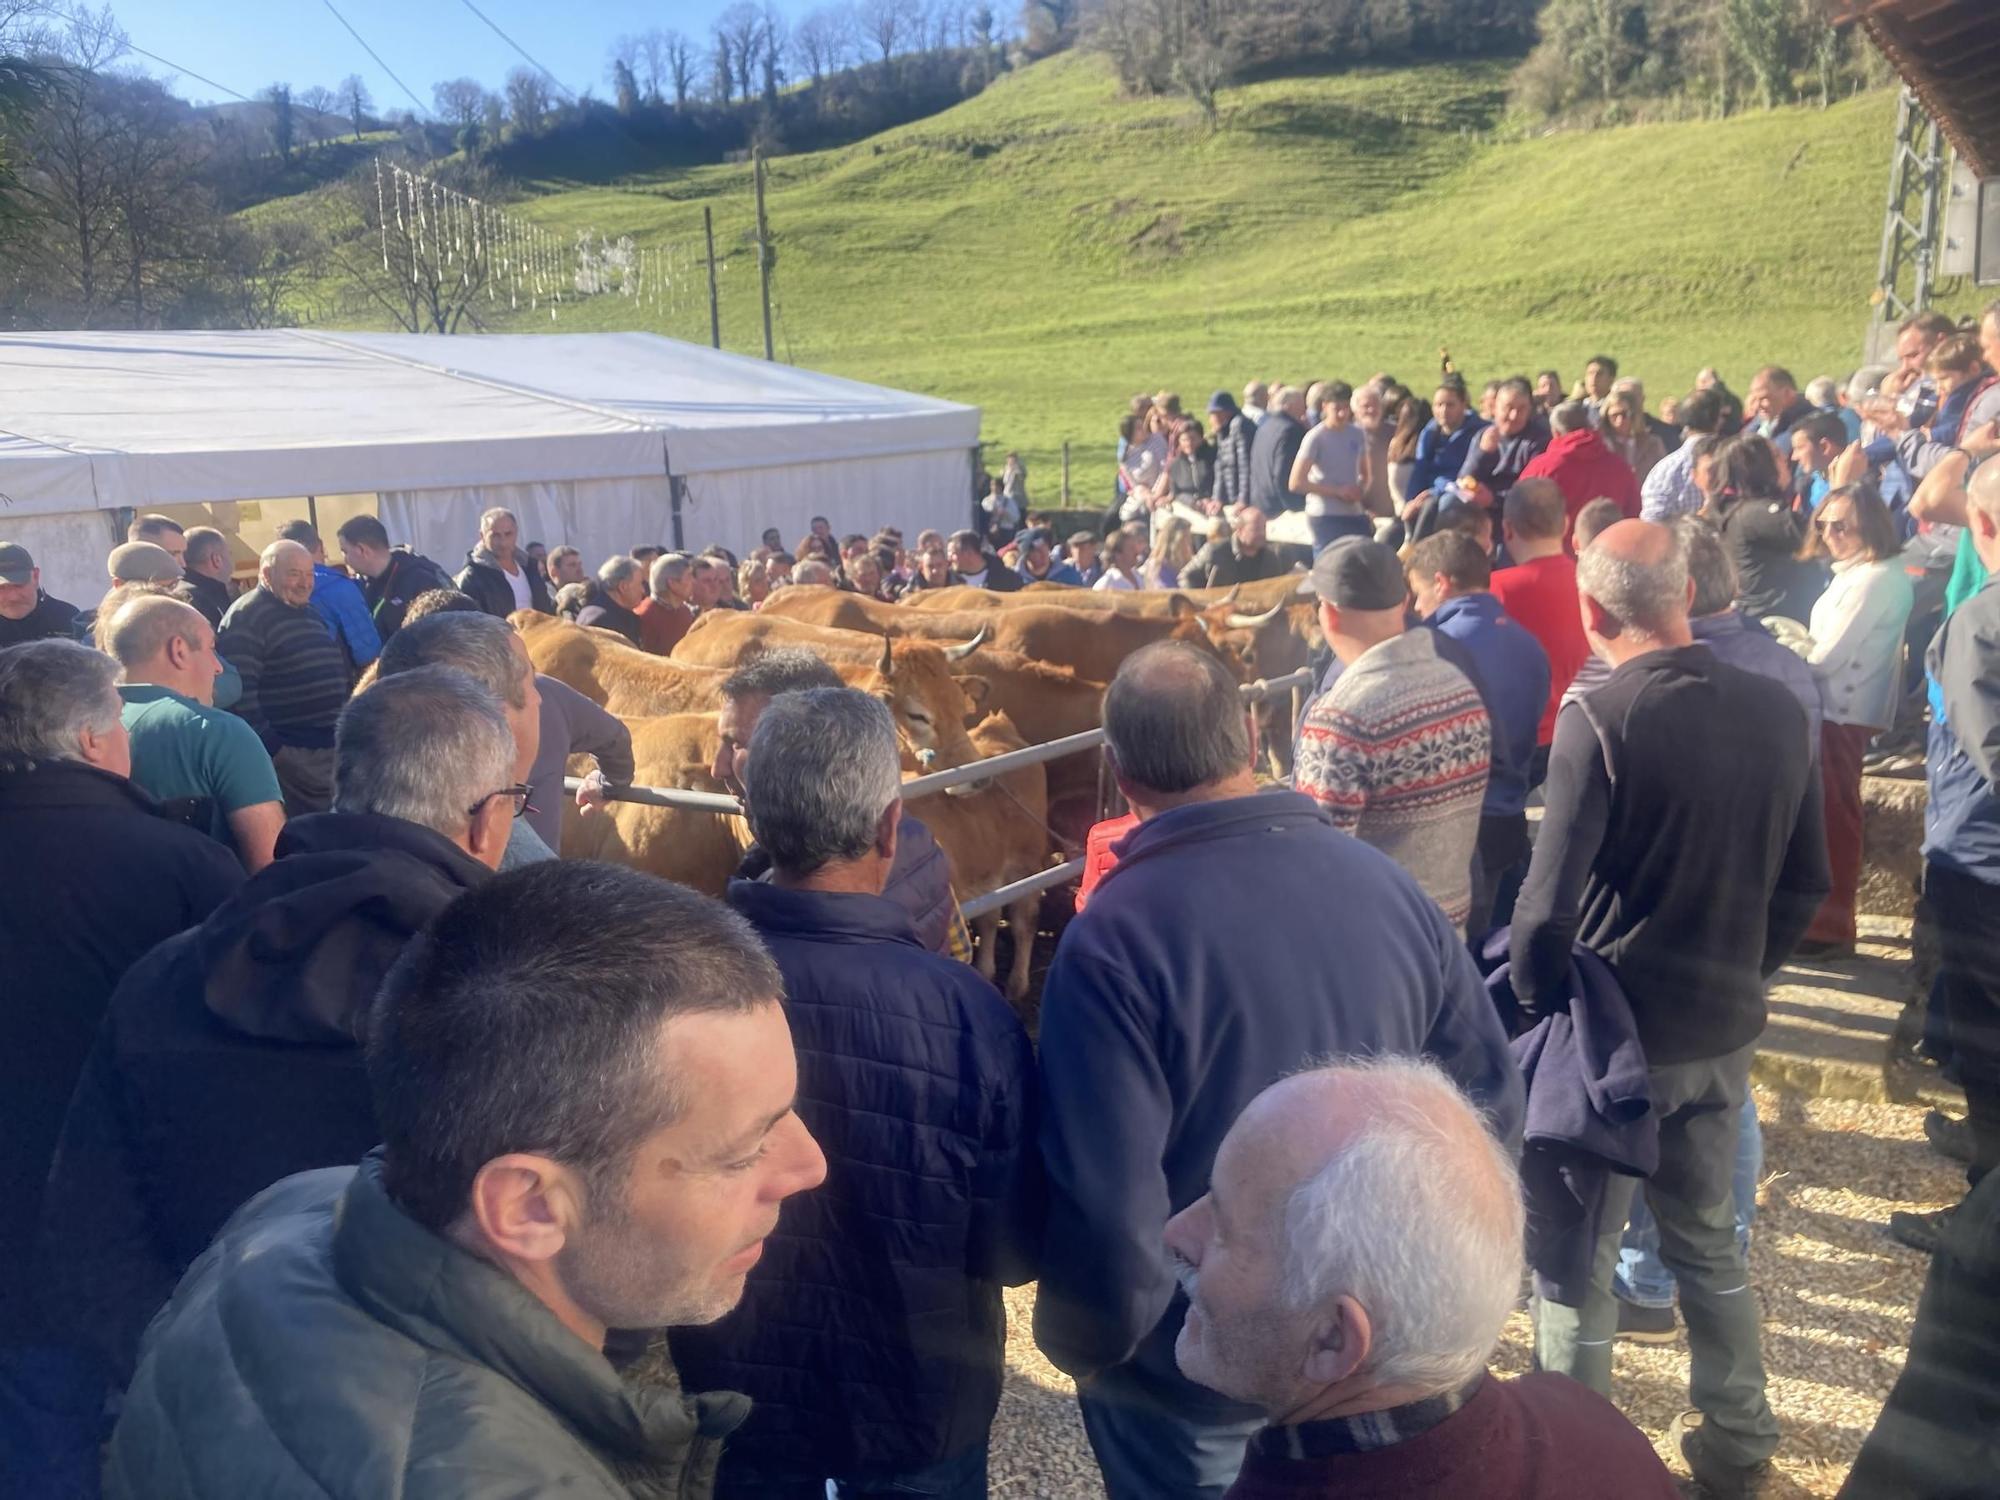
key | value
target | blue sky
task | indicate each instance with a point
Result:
(246, 44)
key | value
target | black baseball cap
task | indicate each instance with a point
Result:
(1222, 401)
(1357, 573)
(16, 566)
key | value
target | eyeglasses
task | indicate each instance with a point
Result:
(1834, 527)
(518, 792)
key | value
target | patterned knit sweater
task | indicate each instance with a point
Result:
(1397, 752)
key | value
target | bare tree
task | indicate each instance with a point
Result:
(723, 62)
(284, 124)
(355, 101)
(820, 42)
(680, 66)
(774, 40)
(623, 52)
(885, 23)
(319, 119)
(459, 100)
(528, 98)
(652, 64)
(402, 266)
(741, 26)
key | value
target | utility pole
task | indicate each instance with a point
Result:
(714, 302)
(763, 254)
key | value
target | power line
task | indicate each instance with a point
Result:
(422, 108)
(131, 46)
(520, 49)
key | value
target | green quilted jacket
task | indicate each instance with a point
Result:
(328, 1347)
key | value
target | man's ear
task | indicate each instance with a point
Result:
(525, 1207)
(1600, 620)
(486, 838)
(886, 830)
(1341, 1341)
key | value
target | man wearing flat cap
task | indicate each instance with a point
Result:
(26, 613)
(1397, 749)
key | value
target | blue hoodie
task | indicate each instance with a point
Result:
(1234, 942)
(1511, 671)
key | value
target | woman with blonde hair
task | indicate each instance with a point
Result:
(753, 583)
(1856, 653)
(1627, 433)
(1173, 550)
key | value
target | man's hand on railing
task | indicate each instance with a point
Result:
(590, 794)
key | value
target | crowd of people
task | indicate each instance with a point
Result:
(364, 1147)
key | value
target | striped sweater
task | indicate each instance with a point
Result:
(1397, 752)
(295, 676)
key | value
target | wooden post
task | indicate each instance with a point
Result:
(763, 255)
(1065, 488)
(714, 303)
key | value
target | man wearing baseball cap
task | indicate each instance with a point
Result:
(1398, 748)
(130, 562)
(1233, 432)
(26, 613)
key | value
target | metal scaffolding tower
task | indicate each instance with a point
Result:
(1907, 274)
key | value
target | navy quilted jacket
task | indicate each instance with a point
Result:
(870, 1335)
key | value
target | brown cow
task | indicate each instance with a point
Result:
(1090, 645)
(697, 849)
(993, 834)
(613, 673)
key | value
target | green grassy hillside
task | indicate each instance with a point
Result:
(1048, 248)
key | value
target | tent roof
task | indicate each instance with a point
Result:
(96, 420)
(1949, 52)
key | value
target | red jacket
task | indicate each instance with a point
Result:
(1584, 469)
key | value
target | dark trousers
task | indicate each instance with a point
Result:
(1968, 918)
(1500, 860)
(1148, 1449)
(1326, 530)
(1841, 747)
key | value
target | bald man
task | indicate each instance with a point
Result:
(1349, 1270)
(295, 676)
(208, 765)
(1684, 844)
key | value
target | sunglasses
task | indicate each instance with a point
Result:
(518, 792)
(1835, 527)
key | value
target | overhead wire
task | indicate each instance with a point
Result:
(526, 56)
(422, 108)
(131, 46)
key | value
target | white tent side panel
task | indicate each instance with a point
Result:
(598, 517)
(70, 550)
(909, 491)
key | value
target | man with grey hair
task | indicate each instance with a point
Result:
(1188, 983)
(919, 880)
(497, 575)
(95, 876)
(668, 608)
(615, 595)
(1274, 449)
(1348, 1272)
(163, 532)
(207, 765)
(1582, 464)
(295, 676)
(257, 1014)
(1683, 844)
(492, 654)
(870, 1341)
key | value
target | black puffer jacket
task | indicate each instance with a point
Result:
(486, 583)
(919, 882)
(228, 1059)
(94, 876)
(870, 1335)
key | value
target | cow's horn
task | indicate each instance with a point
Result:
(1230, 597)
(888, 666)
(1256, 622)
(959, 653)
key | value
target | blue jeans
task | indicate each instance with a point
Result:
(1147, 1451)
(1642, 1278)
(1326, 530)
(961, 1478)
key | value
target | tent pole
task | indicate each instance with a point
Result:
(674, 489)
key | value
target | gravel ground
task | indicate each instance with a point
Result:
(1838, 1299)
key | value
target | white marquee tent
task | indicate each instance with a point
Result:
(600, 440)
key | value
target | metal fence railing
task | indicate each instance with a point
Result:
(968, 774)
